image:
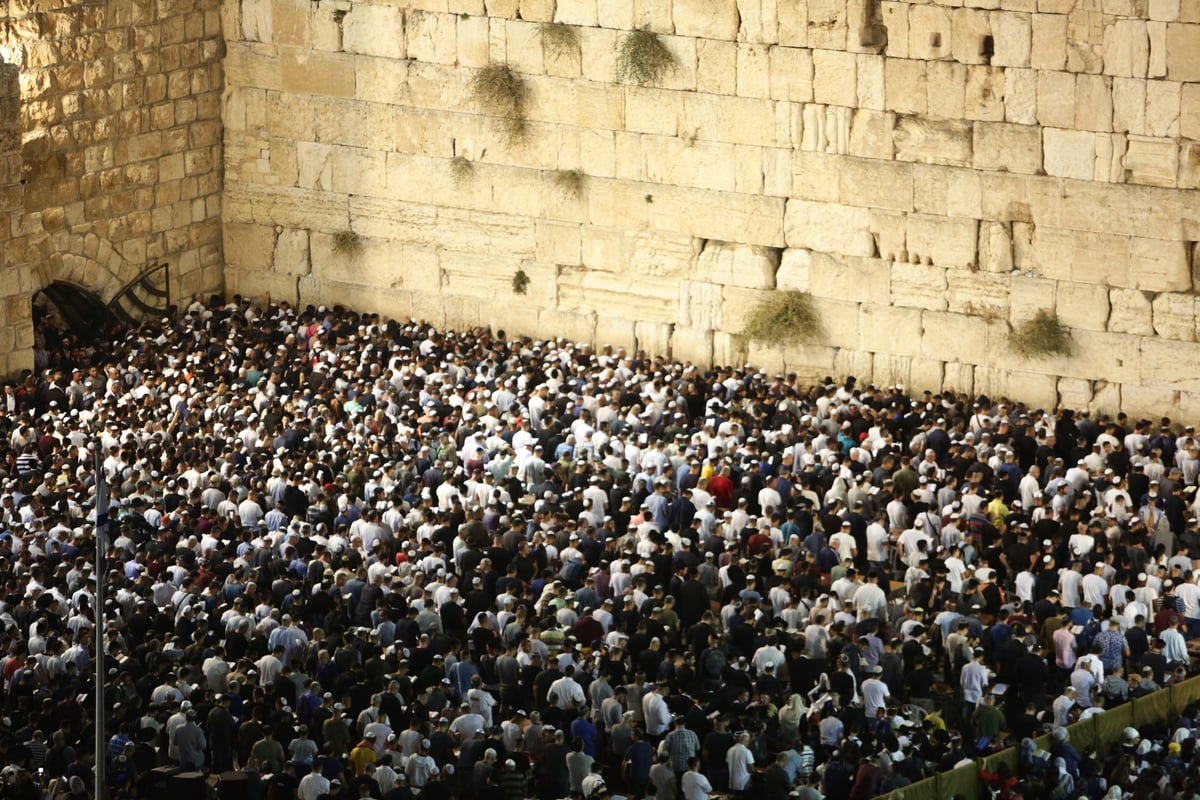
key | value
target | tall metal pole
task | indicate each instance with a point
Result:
(101, 548)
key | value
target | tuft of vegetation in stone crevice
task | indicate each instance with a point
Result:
(500, 92)
(570, 181)
(558, 37)
(783, 317)
(460, 169)
(643, 58)
(520, 282)
(347, 243)
(1041, 335)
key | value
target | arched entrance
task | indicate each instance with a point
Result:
(68, 308)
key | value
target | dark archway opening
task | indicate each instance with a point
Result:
(67, 309)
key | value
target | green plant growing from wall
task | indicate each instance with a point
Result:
(347, 243)
(499, 91)
(559, 38)
(783, 317)
(460, 169)
(643, 58)
(520, 282)
(1041, 335)
(570, 181)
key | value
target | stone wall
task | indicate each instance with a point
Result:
(933, 172)
(110, 150)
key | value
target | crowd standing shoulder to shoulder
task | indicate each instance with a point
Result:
(356, 558)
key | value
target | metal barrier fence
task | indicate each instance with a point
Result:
(1101, 731)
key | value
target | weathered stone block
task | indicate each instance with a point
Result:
(793, 23)
(1093, 103)
(978, 294)
(871, 134)
(1183, 52)
(969, 26)
(828, 228)
(716, 67)
(1069, 153)
(1049, 48)
(918, 286)
(945, 241)
(374, 31)
(576, 12)
(953, 337)
(886, 329)
(1013, 34)
(1056, 99)
(995, 247)
(1126, 48)
(984, 97)
(1007, 148)
(741, 265)
(1129, 105)
(1131, 312)
(1162, 108)
(791, 72)
(1175, 316)
(890, 229)
(930, 32)
(934, 141)
(794, 270)
(690, 344)
(1020, 96)
(857, 280)
(1160, 361)
(1028, 296)
(1159, 265)
(704, 19)
(827, 24)
(904, 86)
(1150, 161)
(835, 80)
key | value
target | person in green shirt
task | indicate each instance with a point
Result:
(988, 720)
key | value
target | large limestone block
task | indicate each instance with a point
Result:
(640, 296)
(1175, 316)
(954, 337)
(1036, 389)
(737, 120)
(1159, 265)
(835, 78)
(1183, 52)
(828, 228)
(292, 253)
(1162, 360)
(558, 243)
(759, 21)
(871, 134)
(1049, 49)
(890, 229)
(970, 26)
(694, 345)
(537, 10)
(1093, 103)
(1007, 148)
(576, 12)
(702, 304)
(856, 280)
(1020, 96)
(816, 176)
(1027, 296)
(918, 286)
(599, 48)
(738, 305)
(880, 184)
(754, 70)
(946, 241)
(950, 99)
(933, 141)
(930, 32)
(506, 9)
(995, 248)
(1126, 48)
(979, 294)
(706, 19)
(887, 329)
(484, 276)
(1056, 99)
(795, 270)
(374, 31)
(889, 369)
(654, 338)
(716, 67)
(741, 265)
(828, 24)
(809, 362)
(984, 97)
(791, 71)
(1189, 118)
(1162, 108)
(1131, 312)
(870, 76)
(905, 86)
(1069, 153)
(249, 246)
(1129, 105)
(357, 170)
(1150, 161)
(793, 22)
(256, 20)
(578, 327)
(432, 37)
(1013, 34)
(1189, 166)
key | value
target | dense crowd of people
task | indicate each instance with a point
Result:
(358, 558)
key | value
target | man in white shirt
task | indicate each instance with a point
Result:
(654, 707)
(565, 693)
(875, 693)
(314, 784)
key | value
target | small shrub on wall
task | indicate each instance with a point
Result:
(500, 92)
(520, 282)
(559, 37)
(570, 181)
(1042, 335)
(783, 317)
(460, 169)
(347, 243)
(643, 58)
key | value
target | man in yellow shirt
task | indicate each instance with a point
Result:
(363, 753)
